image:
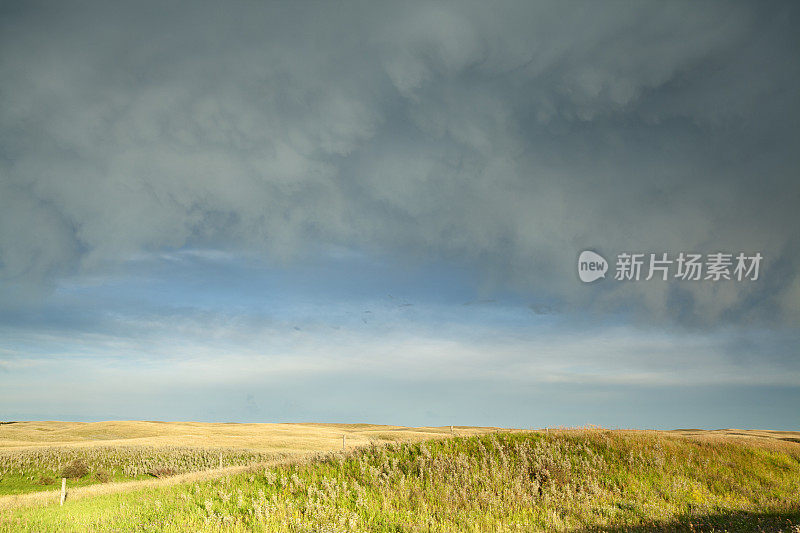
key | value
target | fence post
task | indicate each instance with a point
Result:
(343, 442)
(220, 459)
(63, 489)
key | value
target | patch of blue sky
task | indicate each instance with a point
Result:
(348, 291)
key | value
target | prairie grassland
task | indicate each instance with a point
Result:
(774, 440)
(578, 480)
(284, 438)
(34, 456)
(35, 469)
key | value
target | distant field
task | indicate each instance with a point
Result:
(555, 480)
(283, 438)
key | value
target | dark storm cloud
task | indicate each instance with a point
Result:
(509, 137)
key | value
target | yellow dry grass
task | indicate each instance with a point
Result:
(294, 438)
(280, 438)
(784, 441)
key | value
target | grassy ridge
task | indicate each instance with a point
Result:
(576, 480)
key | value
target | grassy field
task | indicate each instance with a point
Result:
(36, 469)
(563, 480)
(34, 456)
(283, 438)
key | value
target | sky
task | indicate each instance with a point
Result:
(373, 212)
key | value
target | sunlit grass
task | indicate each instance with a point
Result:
(570, 480)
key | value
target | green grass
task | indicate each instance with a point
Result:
(567, 481)
(40, 481)
(37, 469)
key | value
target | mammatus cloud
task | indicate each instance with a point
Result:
(505, 137)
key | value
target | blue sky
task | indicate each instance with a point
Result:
(212, 336)
(373, 213)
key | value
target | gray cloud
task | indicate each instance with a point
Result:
(508, 137)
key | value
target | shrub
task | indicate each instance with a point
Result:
(76, 469)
